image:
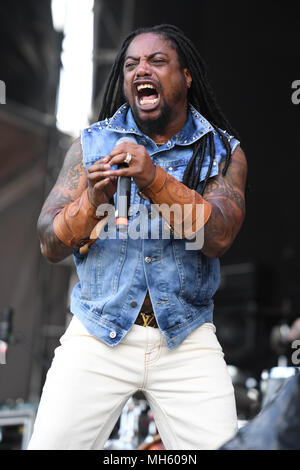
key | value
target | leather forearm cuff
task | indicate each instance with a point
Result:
(76, 221)
(183, 208)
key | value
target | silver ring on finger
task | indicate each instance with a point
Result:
(128, 158)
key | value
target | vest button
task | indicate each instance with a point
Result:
(148, 259)
(133, 303)
(112, 334)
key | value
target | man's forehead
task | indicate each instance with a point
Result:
(147, 44)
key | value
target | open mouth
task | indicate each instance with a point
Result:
(147, 95)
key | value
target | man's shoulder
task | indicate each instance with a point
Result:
(118, 121)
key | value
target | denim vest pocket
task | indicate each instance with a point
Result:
(199, 276)
(89, 270)
(175, 168)
(192, 272)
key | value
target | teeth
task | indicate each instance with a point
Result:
(144, 101)
(146, 85)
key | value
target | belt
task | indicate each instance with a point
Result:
(146, 319)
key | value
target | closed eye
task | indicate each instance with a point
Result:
(129, 65)
(158, 61)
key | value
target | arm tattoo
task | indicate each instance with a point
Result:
(223, 191)
(72, 168)
(69, 186)
(226, 195)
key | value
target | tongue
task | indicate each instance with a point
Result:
(148, 98)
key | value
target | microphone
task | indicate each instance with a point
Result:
(123, 193)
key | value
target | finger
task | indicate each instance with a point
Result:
(99, 165)
(120, 158)
(102, 184)
(99, 168)
(120, 172)
(124, 148)
(98, 175)
(109, 189)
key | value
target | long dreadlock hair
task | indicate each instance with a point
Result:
(200, 95)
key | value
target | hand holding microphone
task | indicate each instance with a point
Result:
(141, 168)
(123, 191)
(114, 172)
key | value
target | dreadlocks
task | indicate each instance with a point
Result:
(200, 95)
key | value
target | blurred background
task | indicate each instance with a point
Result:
(55, 57)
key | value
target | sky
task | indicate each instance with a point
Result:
(75, 19)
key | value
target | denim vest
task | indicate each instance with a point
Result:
(119, 269)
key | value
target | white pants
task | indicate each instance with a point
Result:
(188, 389)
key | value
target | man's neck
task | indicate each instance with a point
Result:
(171, 129)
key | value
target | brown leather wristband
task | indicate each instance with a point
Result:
(76, 221)
(183, 208)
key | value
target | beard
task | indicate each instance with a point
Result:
(153, 125)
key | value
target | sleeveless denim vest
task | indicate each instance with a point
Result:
(119, 269)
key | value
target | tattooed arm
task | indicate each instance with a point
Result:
(69, 186)
(69, 213)
(226, 194)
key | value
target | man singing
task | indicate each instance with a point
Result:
(143, 307)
